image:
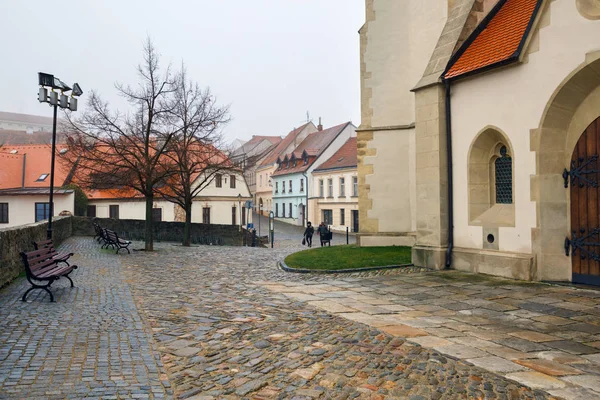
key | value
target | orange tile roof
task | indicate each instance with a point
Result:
(283, 144)
(345, 157)
(499, 42)
(37, 162)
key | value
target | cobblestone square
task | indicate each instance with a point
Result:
(224, 323)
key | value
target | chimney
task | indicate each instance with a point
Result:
(319, 127)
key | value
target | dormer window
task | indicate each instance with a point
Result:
(305, 160)
(42, 178)
(294, 163)
(288, 165)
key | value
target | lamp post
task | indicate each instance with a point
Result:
(55, 100)
(240, 208)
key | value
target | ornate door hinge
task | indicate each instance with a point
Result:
(579, 174)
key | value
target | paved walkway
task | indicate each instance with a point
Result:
(223, 323)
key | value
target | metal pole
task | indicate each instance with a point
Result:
(51, 205)
(347, 239)
(259, 217)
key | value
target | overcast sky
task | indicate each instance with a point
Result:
(271, 60)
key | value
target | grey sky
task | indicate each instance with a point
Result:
(272, 60)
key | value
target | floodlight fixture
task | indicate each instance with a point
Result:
(43, 95)
(46, 79)
(58, 84)
(76, 90)
(53, 98)
(73, 104)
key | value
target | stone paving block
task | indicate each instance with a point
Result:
(571, 347)
(553, 320)
(403, 331)
(496, 364)
(330, 306)
(537, 380)
(431, 341)
(533, 336)
(461, 351)
(575, 393)
(523, 345)
(591, 382)
(548, 367)
(595, 358)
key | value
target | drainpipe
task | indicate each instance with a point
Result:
(306, 207)
(450, 186)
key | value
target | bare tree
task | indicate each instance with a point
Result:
(125, 151)
(194, 149)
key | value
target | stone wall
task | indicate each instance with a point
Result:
(17, 239)
(226, 235)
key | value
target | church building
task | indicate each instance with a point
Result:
(480, 135)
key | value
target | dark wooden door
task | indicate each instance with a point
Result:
(583, 179)
(355, 220)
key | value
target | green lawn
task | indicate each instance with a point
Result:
(348, 257)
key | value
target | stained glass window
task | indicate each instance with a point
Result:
(503, 166)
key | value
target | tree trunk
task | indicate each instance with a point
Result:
(187, 229)
(148, 236)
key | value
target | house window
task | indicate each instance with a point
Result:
(290, 186)
(503, 177)
(328, 217)
(219, 180)
(290, 210)
(283, 208)
(329, 187)
(91, 211)
(113, 211)
(342, 217)
(302, 185)
(342, 187)
(234, 216)
(305, 160)
(42, 211)
(283, 187)
(157, 214)
(355, 186)
(206, 215)
(321, 188)
(277, 209)
(276, 187)
(3, 213)
(232, 181)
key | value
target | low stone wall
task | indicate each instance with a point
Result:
(133, 229)
(17, 239)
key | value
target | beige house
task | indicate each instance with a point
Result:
(220, 203)
(25, 185)
(265, 170)
(335, 190)
(509, 98)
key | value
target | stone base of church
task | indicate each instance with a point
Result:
(503, 264)
(386, 239)
(429, 257)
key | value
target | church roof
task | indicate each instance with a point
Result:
(498, 40)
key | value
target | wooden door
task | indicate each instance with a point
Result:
(355, 220)
(583, 179)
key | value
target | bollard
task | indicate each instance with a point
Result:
(347, 238)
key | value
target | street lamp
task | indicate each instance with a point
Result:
(240, 208)
(55, 100)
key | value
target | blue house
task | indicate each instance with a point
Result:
(291, 190)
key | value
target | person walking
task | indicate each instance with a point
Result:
(322, 232)
(308, 234)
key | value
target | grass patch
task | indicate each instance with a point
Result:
(349, 257)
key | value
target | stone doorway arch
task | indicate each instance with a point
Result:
(572, 107)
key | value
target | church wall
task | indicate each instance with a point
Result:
(514, 100)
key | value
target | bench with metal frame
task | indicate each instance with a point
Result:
(49, 244)
(113, 240)
(41, 266)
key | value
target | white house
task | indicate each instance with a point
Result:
(25, 185)
(291, 189)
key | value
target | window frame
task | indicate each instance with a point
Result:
(4, 210)
(342, 216)
(219, 180)
(330, 187)
(111, 209)
(232, 181)
(321, 188)
(46, 211)
(290, 212)
(342, 187)
(355, 186)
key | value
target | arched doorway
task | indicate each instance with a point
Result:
(583, 178)
(260, 206)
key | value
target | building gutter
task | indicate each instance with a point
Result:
(450, 180)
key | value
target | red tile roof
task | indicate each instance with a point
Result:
(498, 40)
(37, 162)
(314, 145)
(278, 151)
(345, 157)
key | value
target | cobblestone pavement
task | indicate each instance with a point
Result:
(90, 343)
(223, 335)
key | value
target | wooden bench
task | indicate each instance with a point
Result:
(113, 240)
(40, 265)
(99, 233)
(48, 244)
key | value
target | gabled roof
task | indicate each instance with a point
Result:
(25, 118)
(278, 151)
(314, 145)
(37, 160)
(498, 40)
(345, 157)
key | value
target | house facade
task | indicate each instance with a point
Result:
(292, 193)
(335, 195)
(505, 142)
(25, 185)
(265, 170)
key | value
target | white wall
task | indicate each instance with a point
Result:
(337, 202)
(21, 209)
(513, 99)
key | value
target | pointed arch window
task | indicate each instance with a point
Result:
(503, 177)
